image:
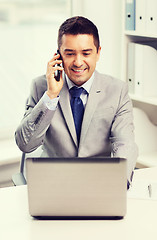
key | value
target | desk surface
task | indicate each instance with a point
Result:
(15, 223)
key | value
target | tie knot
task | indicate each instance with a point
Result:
(76, 92)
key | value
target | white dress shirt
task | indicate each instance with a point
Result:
(52, 103)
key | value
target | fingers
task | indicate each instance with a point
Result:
(56, 68)
(55, 60)
(53, 86)
(54, 64)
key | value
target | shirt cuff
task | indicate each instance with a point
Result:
(51, 104)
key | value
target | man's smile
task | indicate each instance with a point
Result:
(78, 71)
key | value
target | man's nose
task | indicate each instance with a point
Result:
(78, 61)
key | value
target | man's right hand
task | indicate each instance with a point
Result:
(54, 87)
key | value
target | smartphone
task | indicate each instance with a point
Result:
(57, 73)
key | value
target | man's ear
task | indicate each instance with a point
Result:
(98, 53)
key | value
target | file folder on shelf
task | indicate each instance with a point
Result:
(131, 68)
(149, 71)
(142, 70)
(130, 14)
(141, 16)
(134, 69)
(151, 16)
(146, 16)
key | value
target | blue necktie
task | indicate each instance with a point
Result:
(77, 109)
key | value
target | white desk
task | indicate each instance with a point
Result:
(15, 223)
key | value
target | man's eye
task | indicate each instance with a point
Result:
(70, 54)
(86, 54)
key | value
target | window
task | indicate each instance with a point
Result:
(28, 41)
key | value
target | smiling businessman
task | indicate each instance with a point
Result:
(83, 114)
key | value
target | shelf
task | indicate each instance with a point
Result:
(142, 35)
(9, 152)
(147, 159)
(149, 100)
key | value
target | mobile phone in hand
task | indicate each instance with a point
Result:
(57, 73)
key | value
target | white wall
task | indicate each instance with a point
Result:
(28, 40)
(107, 15)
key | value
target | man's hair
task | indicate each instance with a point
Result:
(78, 25)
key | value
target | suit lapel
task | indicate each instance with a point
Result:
(93, 100)
(66, 110)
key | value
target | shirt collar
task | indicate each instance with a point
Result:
(87, 85)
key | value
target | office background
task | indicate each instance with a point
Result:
(27, 42)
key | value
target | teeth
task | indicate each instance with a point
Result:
(77, 70)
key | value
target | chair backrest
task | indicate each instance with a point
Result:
(145, 132)
(18, 178)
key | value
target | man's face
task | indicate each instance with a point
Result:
(79, 56)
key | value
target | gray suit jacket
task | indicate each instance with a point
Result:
(107, 126)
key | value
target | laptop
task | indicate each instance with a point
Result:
(77, 187)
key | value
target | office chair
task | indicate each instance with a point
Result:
(18, 178)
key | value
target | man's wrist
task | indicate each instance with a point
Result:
(51, 104)
(51, 96)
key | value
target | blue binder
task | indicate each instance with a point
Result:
(130, 6)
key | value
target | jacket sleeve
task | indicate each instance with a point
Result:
(30, 133)
(122, 132)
